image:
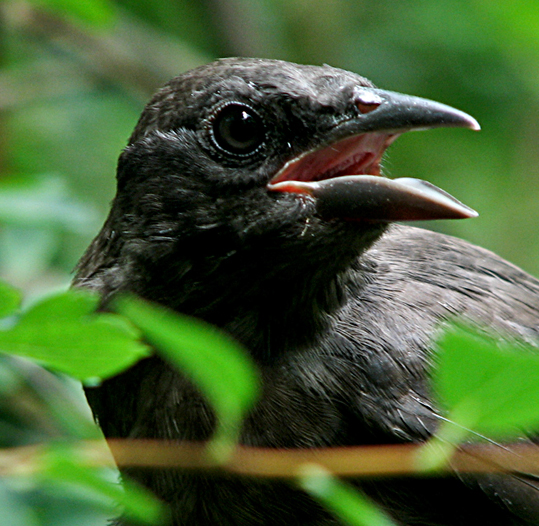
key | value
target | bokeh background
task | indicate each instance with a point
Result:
(75, 75)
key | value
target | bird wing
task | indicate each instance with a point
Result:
(402, 292)
(449, 276)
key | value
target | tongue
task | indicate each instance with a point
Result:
(374, 198)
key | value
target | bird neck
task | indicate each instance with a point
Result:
(270, 302)
(270, 306)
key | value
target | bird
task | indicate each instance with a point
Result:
(251, 195)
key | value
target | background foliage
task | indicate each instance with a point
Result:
(74, 76)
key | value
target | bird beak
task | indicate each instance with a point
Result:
(343, 175)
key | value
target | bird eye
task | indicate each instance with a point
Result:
(238, 129)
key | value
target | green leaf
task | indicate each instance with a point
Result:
(488, 385)
(61, 466)
(218, 365)
(10, 299)
(342, 499)
(63, 332)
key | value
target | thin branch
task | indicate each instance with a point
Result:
(362, 461)
(129, 54)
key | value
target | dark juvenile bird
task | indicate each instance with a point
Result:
(250, 196)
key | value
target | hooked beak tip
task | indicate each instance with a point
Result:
(473, 124)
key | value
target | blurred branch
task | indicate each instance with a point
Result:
(130, 54)
(362, 461)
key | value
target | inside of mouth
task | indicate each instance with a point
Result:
(357, 155)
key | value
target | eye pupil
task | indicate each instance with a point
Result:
(238, 129)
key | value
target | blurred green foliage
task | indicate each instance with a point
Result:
(487, 385)
(64, 331)
(345, 502)
(488, 388)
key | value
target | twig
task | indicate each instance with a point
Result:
(361, 461)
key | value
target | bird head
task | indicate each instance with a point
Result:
(248, 171)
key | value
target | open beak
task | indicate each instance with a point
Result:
(343, 175)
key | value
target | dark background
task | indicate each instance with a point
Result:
(75, 75)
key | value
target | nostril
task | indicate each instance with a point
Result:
(366, 101)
